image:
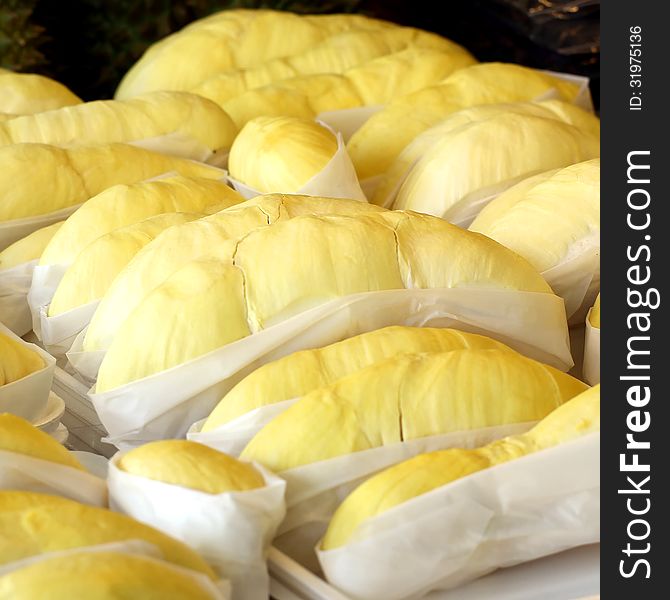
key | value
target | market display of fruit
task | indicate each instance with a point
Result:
(319, 275)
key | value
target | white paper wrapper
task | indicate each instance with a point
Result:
(14, 286)
(21, 472)
(591, 369)
(12, 231)
(219, 590)
(59, 332)
(518, 511)
(27, 397)
(178, 144)
(583, 99)
(349, 120)
(165, 405)
(232, 531)
(336, 180)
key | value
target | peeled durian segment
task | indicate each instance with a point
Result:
(280, 154)
(34, 524)
(192, 465)
(302, 372)
(594, 317)
(101, 576)
(28, 248)
(68, 177)
(97, 265)
(28, 93)
(408, 397)
(374, 147)
(215, 236)
(421, 474)
(548, 218)
(124, 204)
(19, 436)
(17, 360)
(107, 121)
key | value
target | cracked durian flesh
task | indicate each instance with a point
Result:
(191, 465)
(107, 121)
(94, 269)
(407, 397)
(214, 236)
(548, 218)
(302, 372)
(594, 318)
(17, 360)
(125, 204)
(280, 154)
(19, 436)
(28, 248)
(101, 576)
(34, 524)
(426, 472)
(67, 177)
(28, 93)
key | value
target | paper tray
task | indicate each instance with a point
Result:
(570, 575)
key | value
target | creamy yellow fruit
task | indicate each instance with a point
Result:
(19, 436)
(107, 121)
(410, 396)
(101, 576)
(214, 236)
(302, 372)
(27, 93)
(374, 147)
(68, 177)
(28, 248)
(34, 524)
(125, 204)
(280, 154)
(97, 265)
(16, 360)
(594, 318)
(191, 465)
(549, 218)
(421, 474)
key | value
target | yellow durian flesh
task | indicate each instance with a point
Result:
(426, 472)
(408, 397)
(101, 576)
(34, 524)
(28, 248)
(545, 219)
(471, 159)
(19, 436)
(94, 269)
(28, 93)
(381, 139)
(594, 317)
(191, 465)
(215, 236)
(302, 372)
(280, 154)
(107, 121)
(125, 204)
(68, 177)
(196, 310)
(17, 360)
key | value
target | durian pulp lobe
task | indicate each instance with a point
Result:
(17, 360)
(28, 248)
(191, 465)
(302, 372)
(280, 154)
(123, 205)
(101, 576)
(426, 472)
(408, 397)
(98, 264)
(595, 314)
(544, 218)
(28, 93)
(19, 436)
(34, 524)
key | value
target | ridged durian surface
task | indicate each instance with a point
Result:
(28, 93)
